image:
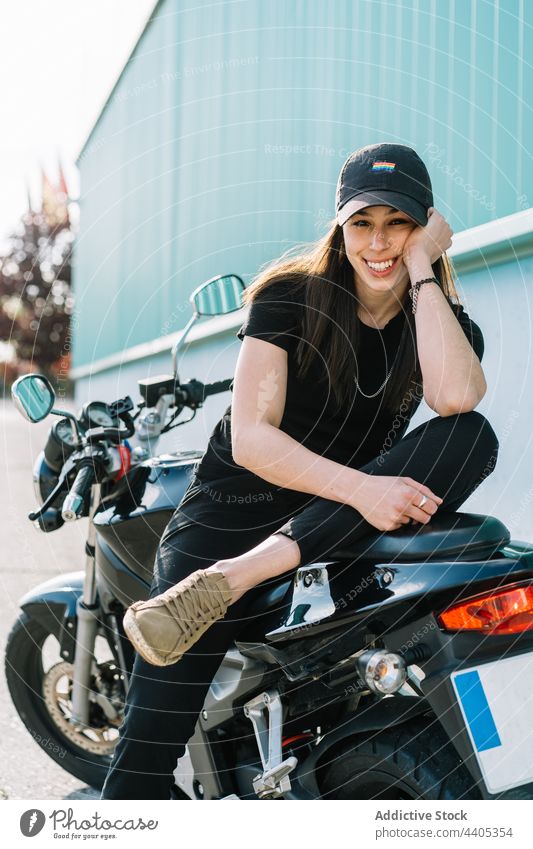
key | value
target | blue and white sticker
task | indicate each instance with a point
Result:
(496, 700)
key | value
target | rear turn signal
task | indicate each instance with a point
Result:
(506, 611)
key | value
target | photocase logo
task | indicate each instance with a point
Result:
(64, 824)
(32, 822)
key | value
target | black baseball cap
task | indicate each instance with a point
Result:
(384, 174)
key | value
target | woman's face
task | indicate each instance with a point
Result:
(377, 235)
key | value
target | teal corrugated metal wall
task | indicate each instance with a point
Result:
(221, 143)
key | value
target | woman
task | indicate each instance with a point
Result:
(338, 348)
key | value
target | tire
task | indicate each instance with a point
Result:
(412, 761)
(26, 675)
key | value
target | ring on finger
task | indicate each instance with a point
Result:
(424, 500)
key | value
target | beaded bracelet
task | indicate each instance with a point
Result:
(416, 286)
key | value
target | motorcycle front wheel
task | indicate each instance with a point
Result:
(414, 760)
(40, 684)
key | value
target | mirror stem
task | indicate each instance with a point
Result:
(73, 421)
(179, 343)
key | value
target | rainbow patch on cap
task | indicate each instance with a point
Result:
(383, 166)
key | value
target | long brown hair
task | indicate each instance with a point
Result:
(330, 320)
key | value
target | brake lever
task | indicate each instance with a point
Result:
(60, 486)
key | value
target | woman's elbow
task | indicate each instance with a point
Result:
(465, 404)
(238, 451)
(244, 449)
(249, 445)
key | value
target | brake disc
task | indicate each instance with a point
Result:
(98, 739)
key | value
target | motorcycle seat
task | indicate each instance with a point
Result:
(464, 536)
(468, 536)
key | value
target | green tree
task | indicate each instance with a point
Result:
(36, 301)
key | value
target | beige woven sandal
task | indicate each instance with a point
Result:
(163, 628)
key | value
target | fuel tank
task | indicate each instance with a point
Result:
(130, 521)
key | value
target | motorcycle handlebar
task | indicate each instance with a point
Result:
(73, 503)
(218, 386)
(194, 393)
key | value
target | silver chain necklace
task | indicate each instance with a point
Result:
(373, 395)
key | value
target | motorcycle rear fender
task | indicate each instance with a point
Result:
(53, 605)
(442, 653)
(439, 693)
(385, 714)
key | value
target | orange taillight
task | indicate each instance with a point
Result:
(507, 611)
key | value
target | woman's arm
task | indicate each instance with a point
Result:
(452, 375)
(257, 406)
(259, 391)
(453, 378)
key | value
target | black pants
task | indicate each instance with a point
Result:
(451, 455)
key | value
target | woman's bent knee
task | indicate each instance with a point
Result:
(475, 429)
(480, 440)
(483, 431)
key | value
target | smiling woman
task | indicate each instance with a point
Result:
(374, 240)
(341, 293)
(332, 350)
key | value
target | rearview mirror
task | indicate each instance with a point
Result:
(33, 396)
(218, 296)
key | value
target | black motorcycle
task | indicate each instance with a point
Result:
(398, 669)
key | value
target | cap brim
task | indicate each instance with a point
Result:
(383, 198)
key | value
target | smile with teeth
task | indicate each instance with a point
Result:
(382, 266)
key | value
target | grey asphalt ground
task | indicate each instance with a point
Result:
(27, 558)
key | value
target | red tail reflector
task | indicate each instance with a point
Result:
(506, 611)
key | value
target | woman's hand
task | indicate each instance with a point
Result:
(428, 242)
(389, 502)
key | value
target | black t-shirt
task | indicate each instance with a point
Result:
(352, 437)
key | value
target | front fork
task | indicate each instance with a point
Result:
(88, 615)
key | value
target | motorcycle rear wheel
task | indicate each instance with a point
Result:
(414, 760)
(31, 685)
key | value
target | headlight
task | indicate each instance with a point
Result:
(383, 671)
